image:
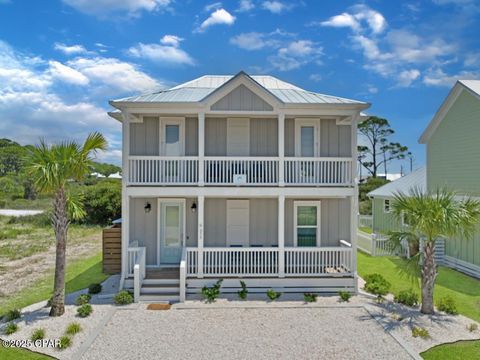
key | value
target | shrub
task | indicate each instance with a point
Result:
(41, 220)
(447, 305)
(376, 284)
(397, 317)
(123, 297)
(472, 327)
(73, 328)
(83, 299)
(273, 295)
(210, 294)
(242, 294)
(38, 334)
(407, 297)
(12, 315)
(84, 310)
(11, 328)
(420, 332)
(65, 342)
(102, 202)
(95, 288)
(309, 297)
(345, 296)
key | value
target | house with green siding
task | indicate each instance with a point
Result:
(383, 219)
(453, 160)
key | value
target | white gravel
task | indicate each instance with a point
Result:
(243, 333)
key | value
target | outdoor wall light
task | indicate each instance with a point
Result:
(193, 207)
(147, 207)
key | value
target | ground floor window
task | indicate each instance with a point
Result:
(307, 223)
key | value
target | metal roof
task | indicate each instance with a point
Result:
(198, 89)
(416, 179)
(473, 85)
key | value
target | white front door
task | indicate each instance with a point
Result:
(172, 136)
(238, 220)
(307, 133)
(171, 230)
(238, 137)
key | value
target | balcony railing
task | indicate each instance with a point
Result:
(239, 171)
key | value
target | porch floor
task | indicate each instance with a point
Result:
(164, 273)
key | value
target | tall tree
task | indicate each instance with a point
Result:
(378, 150)
(51, 167)
(431, 216)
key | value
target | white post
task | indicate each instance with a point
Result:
(201, 148)
(183, 276)
(136, 283)
(125, 198)
(200, 210)
(281, 149)
(354, 201)
(281, 236)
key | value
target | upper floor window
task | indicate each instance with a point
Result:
(386, 205)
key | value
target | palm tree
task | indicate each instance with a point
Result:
(50, 168)
(431, 216)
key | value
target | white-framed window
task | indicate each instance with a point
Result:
(307, 135)
(386, 205)
(172, 136)
(306, 223)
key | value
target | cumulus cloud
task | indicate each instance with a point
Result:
(253, 40)
(276, 7)
(245, 6)
(437, 77)
(167, 52)
(129, 7)
(70, 50)
(406, 77)
(218, 17)
(67, 74)
(359, 16)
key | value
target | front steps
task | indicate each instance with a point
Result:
(160, 285)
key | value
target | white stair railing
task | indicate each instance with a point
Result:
(138, 269)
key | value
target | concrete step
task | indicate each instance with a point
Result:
(151, 289)
(160, 298)
(161, 282)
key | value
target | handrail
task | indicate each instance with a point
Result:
(139, 271)
(183, 275)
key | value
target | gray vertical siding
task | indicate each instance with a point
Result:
(215, 136)
(242, 99)
(334, 221)
(335, 140)
(215, 219)
(263, 222)
(263, 137)
(143, 227)
(191, 136)
(144, 136)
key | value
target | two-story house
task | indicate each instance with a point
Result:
(238, 178)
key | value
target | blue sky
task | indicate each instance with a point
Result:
(61, 61)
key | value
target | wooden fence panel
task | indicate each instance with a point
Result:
(112, 250)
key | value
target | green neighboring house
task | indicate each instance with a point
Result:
(453, 160)
(382, 218)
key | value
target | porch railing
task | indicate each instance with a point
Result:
(136, 268)
(163, 170)
(241, 170)
(318, 171)
(260, 262)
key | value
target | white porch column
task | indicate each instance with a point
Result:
(125, 198)
(354, 201)
(281, 149)
(200, 210)
(281, 236)
(201, 148)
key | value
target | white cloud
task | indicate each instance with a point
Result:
(104, 7)
(218, 17)
(315, 77)
(355, 20)
(252, 41)
(437, 77)
(342, 20)
(296, 54)
(67, 74)
(167, 52)
(372, 89)
(213, 6)
(276, 7)
(70, 50)
(407, 77)
(245, 6)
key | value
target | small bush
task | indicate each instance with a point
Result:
(309, 297)
(345, 296)
(11, 328)
(49, 302)
(38, 334)
(83, 299)
(95, 288)
(12, 315)
(242, 294)
(65, 342)
(123, 297)
(472, 327)
(84, 310)
(420, 332)
(447, 305)
(397, 317)
(210, 294)
(73, 328)
(407, 297)
(376, 284)
(273, 295)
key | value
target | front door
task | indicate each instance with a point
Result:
(306, 137)
(172, 135)
(171, 231)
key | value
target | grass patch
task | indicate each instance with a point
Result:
(80, 274)
(463, 288)
(456, 351)
(365, 229)
(21, 354)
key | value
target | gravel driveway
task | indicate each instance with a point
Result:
(245, 333)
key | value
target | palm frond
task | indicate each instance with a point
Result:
(76, 210)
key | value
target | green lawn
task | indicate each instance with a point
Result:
(365, 229)
(21, 354)
(464, 289)
(460, 350)
(80, 274)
